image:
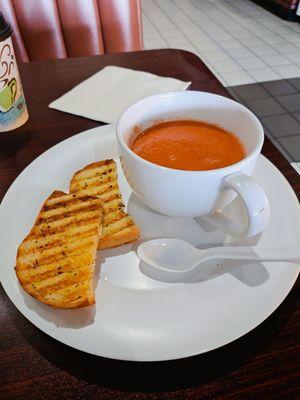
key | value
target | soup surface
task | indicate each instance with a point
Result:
(188, 145)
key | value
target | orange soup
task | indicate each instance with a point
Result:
(188, 145)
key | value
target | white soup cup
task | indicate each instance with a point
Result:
(190, 194)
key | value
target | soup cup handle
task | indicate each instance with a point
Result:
(255, 202)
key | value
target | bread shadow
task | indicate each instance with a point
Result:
(65, 318)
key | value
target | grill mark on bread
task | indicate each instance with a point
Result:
(64, 202)
(105, 197)
(111, 231)
(113, 205)
(73, 293)
(57, 241)
(89, 181)
(65, 198)
(63, 225)
(126, 235)
(42, 256)
(97, 167)
(55, 262)
(63, 281)
(66, 214)
(69, 288)
(118, 225)
(101, 182)
(60, 260)
(112, 216)
(42, 238)
(38, 271)
(115, 217)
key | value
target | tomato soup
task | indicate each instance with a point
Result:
(189, 145)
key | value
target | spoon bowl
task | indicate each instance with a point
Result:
(174, 255)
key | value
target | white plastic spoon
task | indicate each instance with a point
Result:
(175, 259)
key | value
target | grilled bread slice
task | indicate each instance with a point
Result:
(55, 262)
(100, 179)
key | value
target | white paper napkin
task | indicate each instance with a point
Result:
(105, 95)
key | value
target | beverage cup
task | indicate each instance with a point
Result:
(13, 109)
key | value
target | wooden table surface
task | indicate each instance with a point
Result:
(264, 364)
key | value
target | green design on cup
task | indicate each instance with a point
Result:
(8, 95)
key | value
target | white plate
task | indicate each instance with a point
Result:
(135, 317)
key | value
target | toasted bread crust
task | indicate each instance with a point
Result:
(100, 179)
(127, 235)
(55, 262)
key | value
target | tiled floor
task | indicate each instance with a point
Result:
(251, 51)
(277, 105)
(240, 42)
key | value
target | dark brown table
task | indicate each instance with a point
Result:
(264, 364)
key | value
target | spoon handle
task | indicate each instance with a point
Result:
(257, 253)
